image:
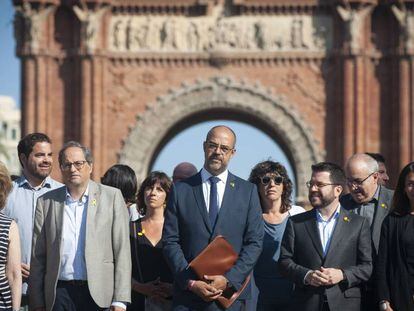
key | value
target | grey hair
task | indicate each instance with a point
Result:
(86, 151)
(370, 163)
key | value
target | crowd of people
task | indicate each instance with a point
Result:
(120, 245)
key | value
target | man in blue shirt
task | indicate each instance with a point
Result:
(35, 156)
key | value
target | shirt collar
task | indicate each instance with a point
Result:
(335, 215)
(22, 180)
(83, 198)
(205, 175)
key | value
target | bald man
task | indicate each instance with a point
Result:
(212, 202)
(367, 198)
(183, 171)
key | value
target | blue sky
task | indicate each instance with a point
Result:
(252, 144)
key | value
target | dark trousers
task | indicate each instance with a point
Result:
(74, 297)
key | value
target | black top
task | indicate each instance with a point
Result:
(148, 262)
(395, 262)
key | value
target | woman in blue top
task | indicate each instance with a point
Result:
(275, 190)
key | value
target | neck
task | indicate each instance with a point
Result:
(33, 181)
(327, 211)
(155, 214)
(77, 192)
(214, 173)
(272, 207)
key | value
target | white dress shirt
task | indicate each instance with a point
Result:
(221, 186)
(326, 228)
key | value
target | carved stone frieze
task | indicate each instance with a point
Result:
(28, 27)
(221, 92)
(282, 33)
(405, 19)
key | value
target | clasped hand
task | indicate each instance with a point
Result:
(210, 288)
(324, 277)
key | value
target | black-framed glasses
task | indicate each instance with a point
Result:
(77, 164)
(358, 183)
(213, 146)
(267, 179)
(318, 185)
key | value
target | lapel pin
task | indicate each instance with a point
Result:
(94, 202)
(232, 184)
(383, 205)
(141, 233)
(346, 219)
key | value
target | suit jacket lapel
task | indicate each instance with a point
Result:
(339, 232)
(59, 210)
(92, 208)
(228, 200)
(380, 212)
(312, 229)
(201, 203)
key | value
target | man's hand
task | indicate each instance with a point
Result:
(25, 270)
(205, 291)
(317, 278)
(165, 289)
(334, 275)
(218, 281)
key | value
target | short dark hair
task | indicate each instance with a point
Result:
(152, 179)
(27, 143)
(376, 156)
(336, 173)
(86, 151)
(266, 167)
(122, 177)
(400, 201)
(5, 185)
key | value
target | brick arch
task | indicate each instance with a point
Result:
(218, 98)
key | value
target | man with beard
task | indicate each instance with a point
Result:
(367, 198)
(326, 252)
(212, 202)
(35, 156)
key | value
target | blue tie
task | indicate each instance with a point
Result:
(213, 208)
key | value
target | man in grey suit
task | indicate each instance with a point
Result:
(369, 199)
(80, 252)
(326, 251)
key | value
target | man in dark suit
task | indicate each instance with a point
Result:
(371, 200)
(326, 251)
(212, 202)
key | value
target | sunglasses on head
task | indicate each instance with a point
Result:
(276, 179)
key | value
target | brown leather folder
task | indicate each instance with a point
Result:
(216, 259)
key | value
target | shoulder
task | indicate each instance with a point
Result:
(386, 193)
(240, 182)
(303, 217)
(347, 201)
(53, 194)
(54, 183)
(103, 188)
(4, 218)
(295, 209)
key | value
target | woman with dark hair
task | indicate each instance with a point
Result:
(275, 190)
(395, 262)
(151, 277)
(10, 273)
(123, 177)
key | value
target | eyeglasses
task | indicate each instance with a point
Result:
(267, 179)
(213, 146)
(78, 165)
(318, 185)
(358, 183)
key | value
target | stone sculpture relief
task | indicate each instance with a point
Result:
(354, 25)
(208, 34)
(406, 20)
(90, 25)
(29, 32)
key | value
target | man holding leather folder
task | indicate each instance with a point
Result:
(211, 203)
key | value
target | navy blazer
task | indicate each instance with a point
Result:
(187, 230)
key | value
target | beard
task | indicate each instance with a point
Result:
(318, 200)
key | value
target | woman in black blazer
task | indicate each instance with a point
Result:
(395, 263)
